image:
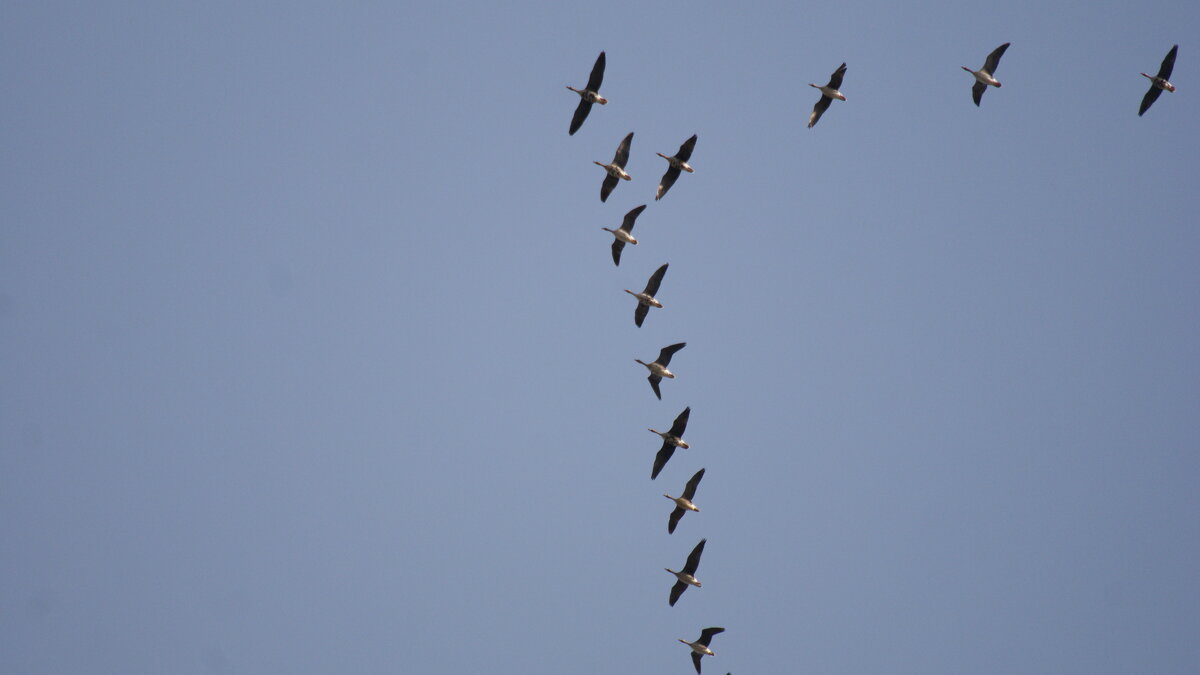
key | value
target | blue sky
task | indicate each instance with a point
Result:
(316, 360)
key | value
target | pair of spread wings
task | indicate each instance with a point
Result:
(672, 174)
(585, 104)
(705, 637)
(993, 60)
(1164, 73)
(693, 562)
(689, 491)
(664, 359)
(668, 448)
(835, 83)
(627, 226)
(639, 314)
(619, 159)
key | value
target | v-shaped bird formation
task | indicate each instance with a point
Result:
(677, 164)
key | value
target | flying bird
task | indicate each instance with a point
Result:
(658, 368)
(828, 93)
(622, 235)
(646, 298)
(700, 647)
(684, 503)
(1159, 82)
(687, 576)
(671, 439)
(677, 163)
(588, 95)
(983, 76)
(616, 170)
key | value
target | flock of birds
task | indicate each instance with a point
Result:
(659, 367)
(678, 163)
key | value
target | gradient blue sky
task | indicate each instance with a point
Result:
(315, 360)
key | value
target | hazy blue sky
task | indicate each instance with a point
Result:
(314, 359)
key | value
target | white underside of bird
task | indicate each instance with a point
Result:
(683, 503)
(983, 77)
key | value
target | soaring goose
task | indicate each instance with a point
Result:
(678, 162)
(588, 95)
(622, 236)
(686, 577)
(616, 170)
(700, 647)
(983, 76)
(828, 93)
(671, 439)
(646, 298)
(684, 503)
(1159, 82)
(658, 369)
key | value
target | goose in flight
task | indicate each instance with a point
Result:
(700, 647)
(1159, 82)
(677, 163)
(658, 368)
(623, 234)
(684, 503)
(984, 76)
(671, 439)
(828, 93)
(646, 298)
(616, 170)
(588, 95)
(687, 576)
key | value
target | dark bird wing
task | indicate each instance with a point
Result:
(581, 113)
(707, 633)
(1149, 99)
(674, 519)
(685, 150)
(835, 81)
(622, 155)
(606, 188)
(689, 490)
(1168, 64)
(680, 424)
(597, 75)
(665, 354)
(677, 590)
(660, 460)
(667, 181)
(696, 661)
(656, 280)
(617, 247)
(993, 59)
(693, 560)
(631, 217)
(977, 91)
(639, 314)
(654, 380)
(818, 110)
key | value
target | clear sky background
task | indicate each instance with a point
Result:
(313, 358)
